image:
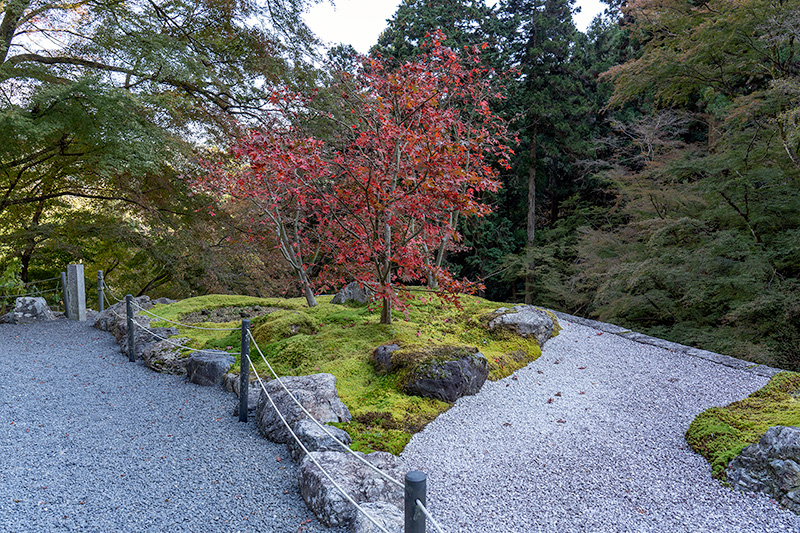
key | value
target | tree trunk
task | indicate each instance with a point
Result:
(386, 278)
(311, 300)
(386, 311)
(529, 277)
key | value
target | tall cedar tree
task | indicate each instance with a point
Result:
(548, 99)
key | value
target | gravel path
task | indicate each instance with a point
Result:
(590, 437)
(91, 442)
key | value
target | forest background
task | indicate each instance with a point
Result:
(655, 181)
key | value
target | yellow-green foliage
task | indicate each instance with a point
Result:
(719, 434)
(340, 340)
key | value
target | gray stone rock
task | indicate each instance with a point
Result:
(382, 357)
(523, 320)
(108, 319)
(7, 318)
(30, 309)
(208, 367)
(771, 467)
(164, 301)
(358, 480)
(353, 292)
(164, 356)
(448, 376)
(315, 439)
(316, 392)
(390, 517)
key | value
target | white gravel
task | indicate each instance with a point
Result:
(92, 442)
(607, 454)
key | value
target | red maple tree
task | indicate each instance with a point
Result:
(414, 146)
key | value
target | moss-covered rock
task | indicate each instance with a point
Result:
(719, 434)
(442, 372)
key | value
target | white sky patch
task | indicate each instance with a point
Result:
(360, 22)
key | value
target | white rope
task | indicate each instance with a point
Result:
(314, 459)
(40, 281)
(181, 323)
(322, 426)
(110, 292)
(428, 514)
(170, 341)
(30, 293)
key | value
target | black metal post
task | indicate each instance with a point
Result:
(100, 296)
(244, 371)
(131, 333)
(64, 293)
(416, 486)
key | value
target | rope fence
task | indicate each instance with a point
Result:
(318, 423)
(414, 486)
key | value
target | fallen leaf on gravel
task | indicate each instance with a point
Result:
(540, 372)
(599, 333)
(278, 458)
(581, 368)
(550, 400)
(506, 424)
(558, 393)
(581, 392)
(561, 421)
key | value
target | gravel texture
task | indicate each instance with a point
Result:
(590, 437)
(92, 442)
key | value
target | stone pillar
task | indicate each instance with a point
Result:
(76, 303)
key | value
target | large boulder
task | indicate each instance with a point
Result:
(446, 373)
(382, 357)
(164, 356)
(523, 320)
(359, 481)
(771, 466)
(315, 439)
(316, 392)
(30, 309)
(353, 292)
(208, 367)
(390, 517)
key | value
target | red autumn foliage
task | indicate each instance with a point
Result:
(413, 147)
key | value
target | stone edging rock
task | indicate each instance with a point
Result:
(641, 338)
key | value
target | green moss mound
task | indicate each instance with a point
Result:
(340, 339)
(282, 325)
(719, 434)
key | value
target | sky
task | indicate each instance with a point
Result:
(360, 22)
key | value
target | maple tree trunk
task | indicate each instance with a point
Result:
(386, 278)
(311, 300)
(529, 277)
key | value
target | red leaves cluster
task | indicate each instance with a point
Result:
(413, 147)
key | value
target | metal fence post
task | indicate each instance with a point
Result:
(100, 297)
(416, 486)
(244, 371)
(64, 295)
(131, 343)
